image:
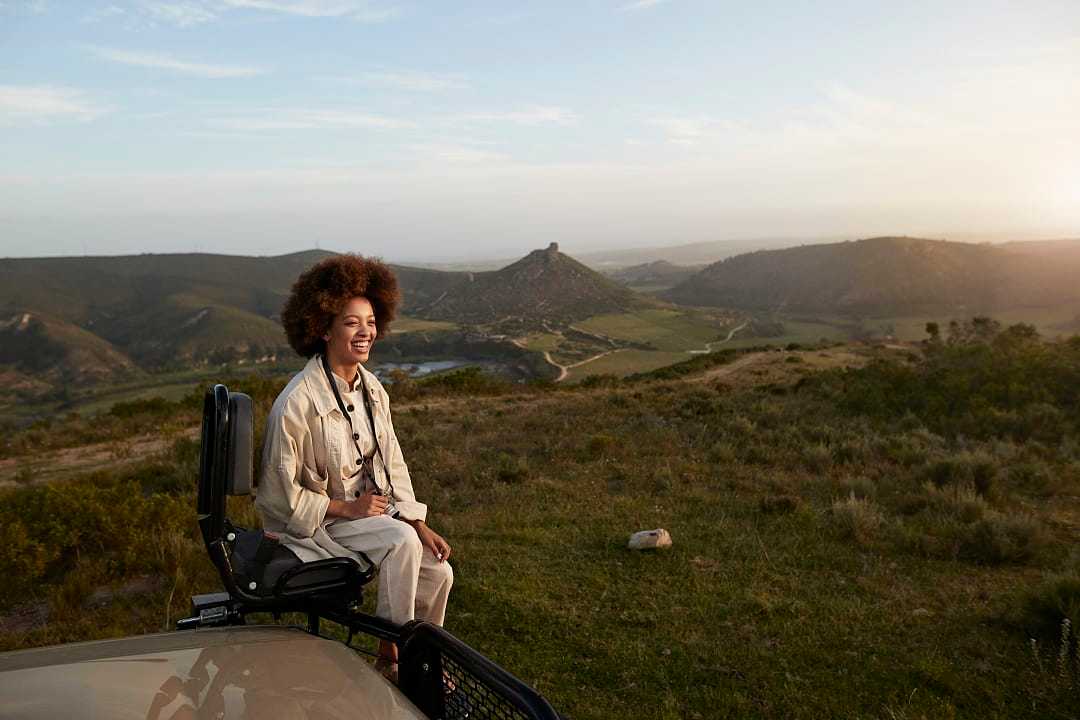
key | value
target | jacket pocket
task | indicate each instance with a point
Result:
(310, 480)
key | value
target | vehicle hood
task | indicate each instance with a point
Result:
(246, 672)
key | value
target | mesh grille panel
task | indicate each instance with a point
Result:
(467, 698)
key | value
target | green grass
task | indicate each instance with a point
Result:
(540, 342)
(666, 330)
(626, 362)
(795, 331)
(408, 324)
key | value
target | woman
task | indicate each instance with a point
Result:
(333, 481)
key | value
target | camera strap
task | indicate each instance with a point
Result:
(352, 431)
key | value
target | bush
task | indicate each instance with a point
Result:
(1000, 539)
(977, 470)
(857, 519)
(816, 458)
(779, 504)
(1045, 607)
(511, 469)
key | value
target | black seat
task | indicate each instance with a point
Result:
(257, 571)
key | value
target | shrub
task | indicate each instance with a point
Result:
(1000, 539)
(860, 486)
(975, 469)
(817, 458)
(511, 469)
(857, 519)
(960, 502)
(600, 445)
(779, 504)
(722, 453)
(1054, 600)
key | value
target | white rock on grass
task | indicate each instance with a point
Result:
(650, 540)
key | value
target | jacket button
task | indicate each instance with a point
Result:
(350, 408)
(356, 493)
(356, 436)
(359, 461)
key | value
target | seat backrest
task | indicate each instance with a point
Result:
(225, 459)
(239, 451)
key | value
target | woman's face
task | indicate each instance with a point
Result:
(351, 333)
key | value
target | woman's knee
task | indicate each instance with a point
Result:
(403, 537)
(442, 573)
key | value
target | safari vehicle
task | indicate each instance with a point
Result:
(217, 666)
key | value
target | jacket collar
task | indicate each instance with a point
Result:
(320, 391)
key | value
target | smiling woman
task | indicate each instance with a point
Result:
(333, 481)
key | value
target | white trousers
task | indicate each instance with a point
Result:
(413, 584)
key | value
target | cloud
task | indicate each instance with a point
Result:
(360, 11)
(642, 4)
(166, 62)
(180, 14)
(411, 80)
(534, 115)
(278, 119)
(37, 104)
(24, 7)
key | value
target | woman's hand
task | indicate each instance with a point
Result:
(367, 505)
(432, 540)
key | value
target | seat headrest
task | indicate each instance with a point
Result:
(239, 453)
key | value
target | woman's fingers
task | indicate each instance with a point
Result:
(443, 548)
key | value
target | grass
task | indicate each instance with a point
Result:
(626, 362)
(665, 330)
(405, 324)
(540, 342)
(795, 331)
(826, 563)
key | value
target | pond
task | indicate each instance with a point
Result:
(417, 369)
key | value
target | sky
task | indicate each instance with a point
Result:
(448, 130)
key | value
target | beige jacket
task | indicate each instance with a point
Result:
(304, 451)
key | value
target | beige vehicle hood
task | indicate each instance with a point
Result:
(244, 672)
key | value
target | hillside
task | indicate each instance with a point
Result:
(889, 276)
(653, 276)
(38, 352)
(169, 310)
(545, 286)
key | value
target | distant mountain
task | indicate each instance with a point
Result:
(544, 286)
(889, 276)
(653, 276)
(698, 253)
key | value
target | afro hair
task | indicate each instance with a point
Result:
(323, 290)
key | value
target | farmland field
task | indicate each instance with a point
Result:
(667, 330)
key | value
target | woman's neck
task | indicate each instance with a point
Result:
(346, 372)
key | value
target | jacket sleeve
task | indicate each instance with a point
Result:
(289, 492)
(404, 498)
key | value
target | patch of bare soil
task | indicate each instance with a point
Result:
(25, 617)
(36, 470)
(784, 366)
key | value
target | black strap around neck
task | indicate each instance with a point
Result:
(371, 419)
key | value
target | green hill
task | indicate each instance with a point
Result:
(653, 276)
(889, 276)
(38, 353)
(545, 286)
